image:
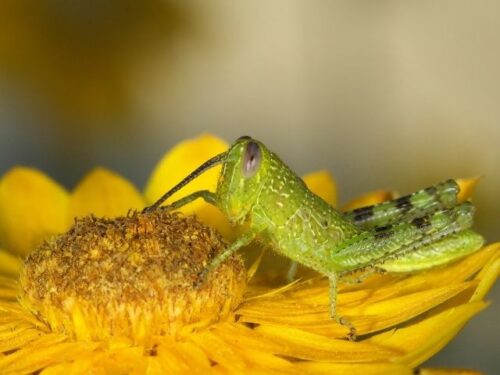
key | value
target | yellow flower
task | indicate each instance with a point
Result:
(116, 295)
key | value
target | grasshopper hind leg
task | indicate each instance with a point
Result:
(423, 202)
(333, 308)
(448, 249)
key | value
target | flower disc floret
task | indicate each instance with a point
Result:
(134, 276)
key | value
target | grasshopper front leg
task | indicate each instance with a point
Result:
(206, 195)
(220, 258)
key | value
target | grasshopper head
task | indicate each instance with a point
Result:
(243, 174)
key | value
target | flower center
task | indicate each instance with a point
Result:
(131, 277)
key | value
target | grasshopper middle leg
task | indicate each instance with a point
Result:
(333, 308)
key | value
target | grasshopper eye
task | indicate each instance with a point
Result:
(251, 159)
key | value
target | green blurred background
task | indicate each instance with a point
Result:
(385, 94)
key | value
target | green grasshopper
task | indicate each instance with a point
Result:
(415, 232)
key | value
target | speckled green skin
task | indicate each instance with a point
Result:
(414, 232)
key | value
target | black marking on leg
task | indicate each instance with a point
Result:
(421, 222)
(363, 214)
(383, 232)
(404, 203)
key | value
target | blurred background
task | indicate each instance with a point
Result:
(387, 95)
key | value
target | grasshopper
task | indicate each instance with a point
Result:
(414, 232)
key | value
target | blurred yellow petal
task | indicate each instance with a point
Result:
(324, 368)
(177, 164)
(104, 194)
(322, 183)
(488, 275)
(447, 371)
(424, 338)
(9, 290)
(467, 186)
(9, 264)
(369, 199)
(32, 208)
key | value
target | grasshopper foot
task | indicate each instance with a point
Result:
(352, 330)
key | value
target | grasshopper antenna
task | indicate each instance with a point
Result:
(217, 159)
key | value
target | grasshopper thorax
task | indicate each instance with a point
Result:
(243, 174)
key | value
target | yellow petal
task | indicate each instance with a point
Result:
(369, 199)
(77, 367)
(368, 311)
(305, 345)
(216, 349)
(177, 164)
(122, 361)
(32, 208)
(17, 339)
(424, 338)
(9, 264)
(105, 194)
(183, 357)
(252, 346)
(263, 352)
(467, 186)
(377, 316)
(322, 183)
(42, 352)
